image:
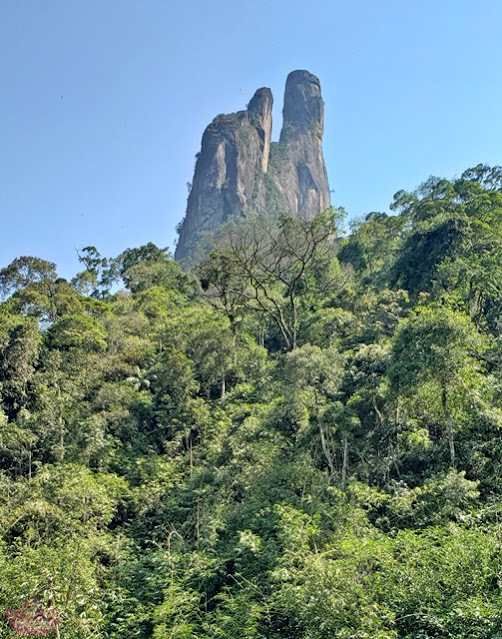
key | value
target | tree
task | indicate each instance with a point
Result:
(35, 290)
(20, 342)
(437, 345)
(373, 245)
(312, 379)
(100, 273)
(269, 270)
(149, 266)
(25, 271)
(454, 244)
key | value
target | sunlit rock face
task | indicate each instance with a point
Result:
(301, 175)
(239, 169)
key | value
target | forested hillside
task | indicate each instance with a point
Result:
(299, 439)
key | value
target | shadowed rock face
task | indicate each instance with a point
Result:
(260, 115)
(239, 169)
(229, 169)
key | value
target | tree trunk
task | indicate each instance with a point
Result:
(294, 322)
(326, 452)
(449, 423)
(234, 344)
(60, 427)
(60, 454)
(345, 465)
(197, 523)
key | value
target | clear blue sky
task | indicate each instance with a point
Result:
(104, 103)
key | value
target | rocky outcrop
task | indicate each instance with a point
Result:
(234, 155)
(240, 170)
(297, 163)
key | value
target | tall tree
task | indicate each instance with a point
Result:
(269, 270)
(437, 345)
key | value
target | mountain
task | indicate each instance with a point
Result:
(239, 169)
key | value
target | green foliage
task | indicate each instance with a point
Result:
(77, 331)
(24, 272)
(299, 440)
(373, 246)
(435, 344)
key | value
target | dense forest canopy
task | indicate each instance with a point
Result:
(297, 439)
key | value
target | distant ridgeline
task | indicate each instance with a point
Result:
(239, 169)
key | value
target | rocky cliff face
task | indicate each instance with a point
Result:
(240, 170)
(298, 165)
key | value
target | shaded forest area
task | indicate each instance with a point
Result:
(299, 439)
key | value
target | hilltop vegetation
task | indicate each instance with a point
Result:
(300, 439)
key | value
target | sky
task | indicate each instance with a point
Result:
(104, 102)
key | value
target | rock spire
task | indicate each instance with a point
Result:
(240, 170)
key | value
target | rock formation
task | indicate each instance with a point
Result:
(240, 170)
(299, 170)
